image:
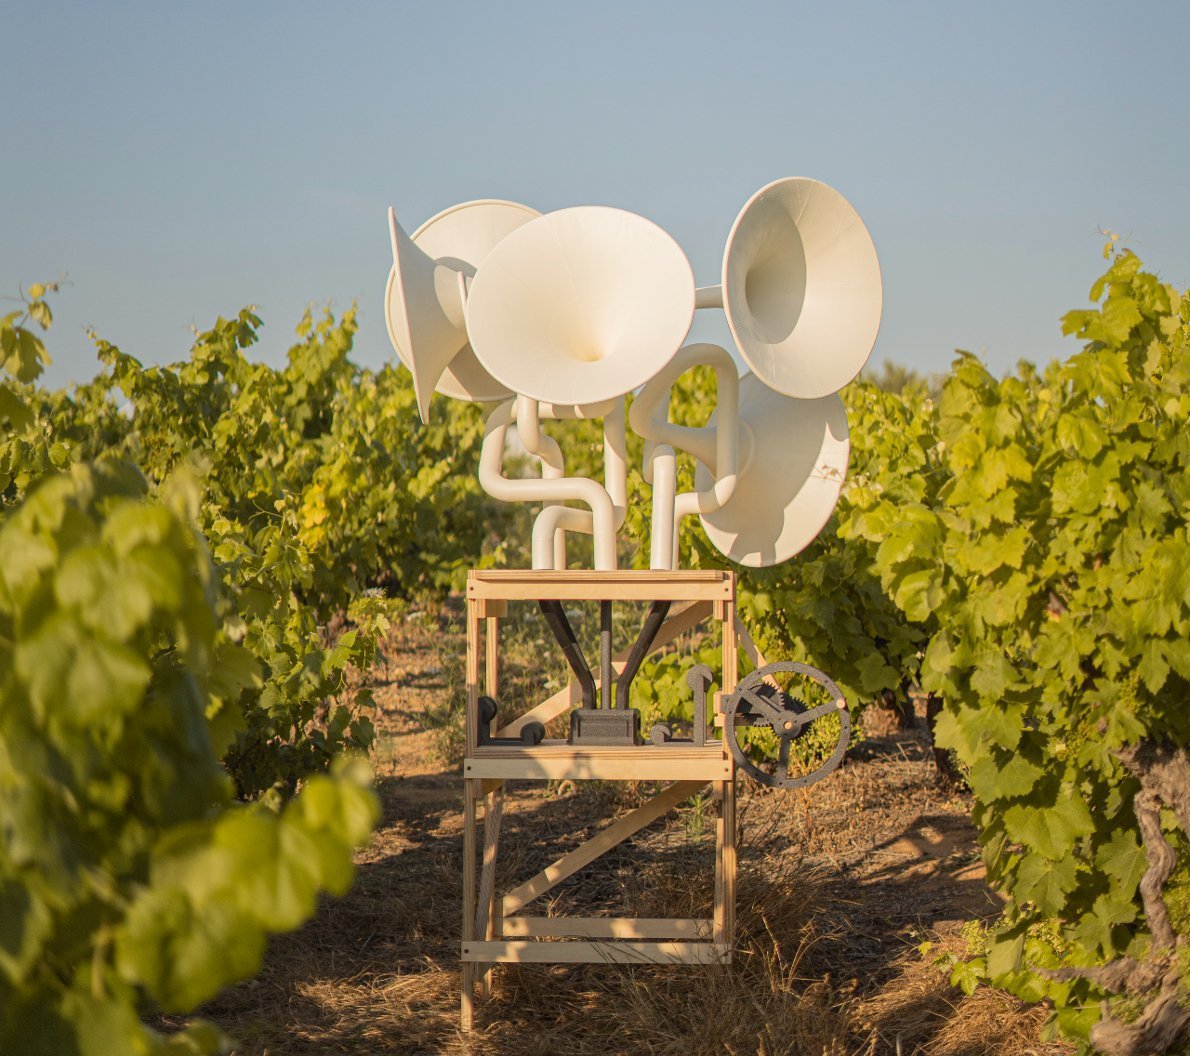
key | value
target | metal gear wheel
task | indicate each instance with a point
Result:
(760, 703)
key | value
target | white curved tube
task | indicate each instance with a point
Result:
(717, 447)
(493, 481)
(546, 448)
(549, 534)
(615, 443)
(558, 519)
(615, 459)
(662, 549)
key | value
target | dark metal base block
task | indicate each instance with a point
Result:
(608, 726)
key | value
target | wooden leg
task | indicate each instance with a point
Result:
(729, 862)
(470, 796)
(467, 1018)
(486, 924)
(471, 711)
(491, 671)
(720, 915)
(725, 848)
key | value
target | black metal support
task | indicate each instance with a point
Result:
(699, 679)
(605, 654)
(555, 618)
(640, 649)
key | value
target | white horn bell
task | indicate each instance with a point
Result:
(801, 288)
(461, 237)
(580, 305)
(789, 484)
(423, 309)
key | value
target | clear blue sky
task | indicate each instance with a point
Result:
(180, 161)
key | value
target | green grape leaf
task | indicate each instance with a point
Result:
(995, 776)
(1049, 826)
(1045, 882)
(1123, 859)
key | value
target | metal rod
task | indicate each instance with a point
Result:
(555, 618)
(605, 653)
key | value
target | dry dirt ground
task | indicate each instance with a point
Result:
(839, 885)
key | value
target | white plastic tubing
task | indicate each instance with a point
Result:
(607, 506)
(717, 446)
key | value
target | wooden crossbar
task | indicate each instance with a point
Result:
(585, 585)
(598, 845)
(609, 927)
(559, 761)
(527, 951)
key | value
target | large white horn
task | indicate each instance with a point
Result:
(581, 305)
(801, 288)
(788, 487)
(461, 237)
(424, 313)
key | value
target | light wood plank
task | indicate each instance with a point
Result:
(491, 669)
(487, 911)
(719, 914)
(467, 1003)
(586, 585)
(492, 816)
(530, 952)
(729, 863)
(562, 762)
(731, 661)
(600, 844)
(471, 713)
(608, 927)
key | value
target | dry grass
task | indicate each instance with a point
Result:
(916, 1010)
(838, 884)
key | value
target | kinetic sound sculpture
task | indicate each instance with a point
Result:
(563, 315)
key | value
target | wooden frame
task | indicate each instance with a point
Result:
(492, 932)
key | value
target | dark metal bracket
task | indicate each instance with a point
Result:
(559, 625)
(699, 679)
(531, 733)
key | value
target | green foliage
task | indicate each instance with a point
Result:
(1019, 548)
(28, 448)
(321, 495)
(1050, 571)
(895, 377)
(128, 878)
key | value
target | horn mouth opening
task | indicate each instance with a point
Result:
(801, 288)
(775, 290)
(580, 305)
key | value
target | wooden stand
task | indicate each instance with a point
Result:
(492, 932)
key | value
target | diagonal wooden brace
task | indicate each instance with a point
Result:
(598, 845)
